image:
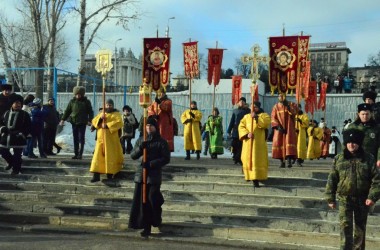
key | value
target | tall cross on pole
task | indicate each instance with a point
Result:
(255, 59)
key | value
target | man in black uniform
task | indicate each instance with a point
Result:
(143, 216)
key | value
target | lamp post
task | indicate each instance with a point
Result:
(116, 61)
(167, 27)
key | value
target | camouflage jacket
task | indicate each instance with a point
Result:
(353, 176)
(371, 142)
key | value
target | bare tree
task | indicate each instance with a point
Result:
(3, 50)
(52, 15)
(90, 23)
(374, 60)
(243, 69)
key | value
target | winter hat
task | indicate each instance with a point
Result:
(37, 101)
(354, 136)
(126, 107)
(51, 99)
(194, 102)
(152, 121)
(243, 99)
(370, 94)
(79, 90)
(16, 98)
(6, 87)
(364, 106)
(257, 104)
(110, 101)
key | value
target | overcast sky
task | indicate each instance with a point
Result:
(237, 25)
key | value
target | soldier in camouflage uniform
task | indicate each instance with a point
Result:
(369, 97)
(371, 130)
(355, 181)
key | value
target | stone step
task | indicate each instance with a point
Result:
(55, 185)
(203, 235)
(31, 175)
(100, 206)
(115, 219)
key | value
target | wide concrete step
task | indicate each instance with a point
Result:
(111, 206)
(202, 235)
(57, 184)
(112, 219)
(30, 174)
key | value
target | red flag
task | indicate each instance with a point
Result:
(303, 85)
(255, 92)
(156, 61)
(190, 53)
(322, 96)
(215, 57)
(287, 53)
(236, 89)
(311, 100)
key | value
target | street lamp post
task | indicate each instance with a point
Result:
(167, 27)
(116, 61)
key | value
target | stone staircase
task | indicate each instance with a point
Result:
(206, 201)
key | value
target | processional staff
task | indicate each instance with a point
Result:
(255, 59)
(103, 65)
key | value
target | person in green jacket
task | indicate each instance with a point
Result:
(214, 126)
(355, 181)
(79, 109)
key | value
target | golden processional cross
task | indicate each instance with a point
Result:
(255, 59)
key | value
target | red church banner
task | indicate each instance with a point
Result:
(236, 89)
(288, 55)
(311, 99)
(303, 84)
(254, 92)
(322, 96)
(190, 53)
(215, 57)
(156, 61)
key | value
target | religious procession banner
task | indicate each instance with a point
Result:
(311, 100)
(236, 89)
(156, 61)
(288, 56)
(303, 86)
(322, 96)
(215, 57)
(254, 92)
(190, 53)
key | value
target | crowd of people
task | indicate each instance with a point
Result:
(26, 123)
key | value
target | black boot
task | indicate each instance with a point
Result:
(76, 149)
(146, 232)
(198, 154)
(256, 183)
(290, 163)
(282, 164)
(187, 155)
(96, 177)
(109, 176)
(80, 151)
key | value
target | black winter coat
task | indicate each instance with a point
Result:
(14, 127)
(236, 117)
(158, 155)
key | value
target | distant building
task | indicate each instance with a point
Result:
(328, 58)
(128, 68)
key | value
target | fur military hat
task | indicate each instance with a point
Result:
(16, 98)
(79, 90)
(354, 136)
(364, 106)
(370, 94)
(6, 87)
(152, 121)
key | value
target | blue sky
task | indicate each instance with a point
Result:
(239, 24)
